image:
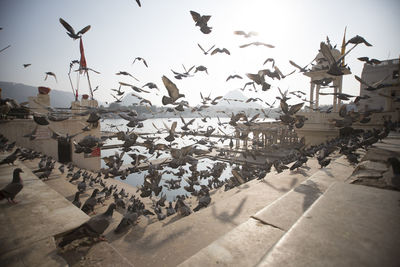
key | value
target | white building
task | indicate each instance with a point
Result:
(384, 99)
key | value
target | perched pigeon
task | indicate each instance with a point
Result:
(204, 201)
(11, 158)
(12, 189)
(94, 227)
(88, 206)
(170, 210)
(127, 221)
(77, 201)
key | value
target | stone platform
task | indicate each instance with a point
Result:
(310, 217)
(28, 228)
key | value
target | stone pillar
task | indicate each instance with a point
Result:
(263, 139)
(237, 139)
(39, 103)
(339, 102)
(312, 86)
(76, 107)
(335, 107)
(317, 96)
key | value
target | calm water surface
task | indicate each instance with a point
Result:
(136, 179)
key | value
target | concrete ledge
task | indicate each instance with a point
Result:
(103, 254)
(29, 227)
(243, 246)
(41, 212)
(39, 253)
(240, 247)
(286, 210)
(349, 225)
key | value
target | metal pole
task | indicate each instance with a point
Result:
(90, 86)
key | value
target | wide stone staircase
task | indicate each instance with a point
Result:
(310, 217)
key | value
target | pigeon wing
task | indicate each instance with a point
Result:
(67, 26)
(295, 108)
(294, 64)
(11, 189)
(98, 223)
(173, 126)
(239, 32)
(327, 53)
(173, 91)
(196, 16)
(84, 30)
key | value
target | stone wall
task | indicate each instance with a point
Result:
(15, 129)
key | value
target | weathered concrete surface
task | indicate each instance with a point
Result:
(240, 246)
(279, 215)
(374, 169)
(172, 241)
(99, 254)
(371, 165)
(39, 253)
(389, 147)
(285, 211)
(26, 238)
(350, 225)
(40, 214)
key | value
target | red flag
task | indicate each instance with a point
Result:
(83, 59)
(95, 152)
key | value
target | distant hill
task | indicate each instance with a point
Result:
(236, 94)
(20, 92)
(129, 99)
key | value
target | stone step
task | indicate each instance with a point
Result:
(350, 225)
(172, 241)
(246, 244)
(29, 227)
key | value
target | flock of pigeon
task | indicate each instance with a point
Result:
(347, 143)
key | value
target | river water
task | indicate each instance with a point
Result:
(136, 179)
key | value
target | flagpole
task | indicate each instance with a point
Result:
(90, 86)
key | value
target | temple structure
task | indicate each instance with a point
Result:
(265, 135)
(381, 104)
(321, 79)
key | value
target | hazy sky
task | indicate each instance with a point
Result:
(163, 32)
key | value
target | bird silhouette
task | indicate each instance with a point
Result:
(71, 32)
(51, 74)
(246, 34)
(220, 50)
(206, 51)
(257, 44)
(201, 21)
(173, 92)
(369, 61)
(233, 77)
(358, 40)
(126, 74)
(140, 59)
